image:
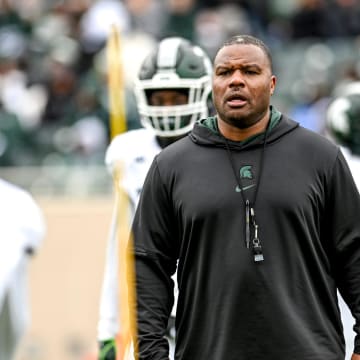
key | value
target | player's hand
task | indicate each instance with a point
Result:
(107, 350)
(355, 357)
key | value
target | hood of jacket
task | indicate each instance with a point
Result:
(206, 132)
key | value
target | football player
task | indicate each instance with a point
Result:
(172, 91)
(21, 232)
(343, 124)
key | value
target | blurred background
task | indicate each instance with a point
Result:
(54, 119)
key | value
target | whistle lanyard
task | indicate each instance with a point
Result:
(250, 219)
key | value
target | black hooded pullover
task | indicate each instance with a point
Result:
(230, 307)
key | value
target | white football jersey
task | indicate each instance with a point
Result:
(135, 150)
(347, 319)
(354, 165)
(22, 228)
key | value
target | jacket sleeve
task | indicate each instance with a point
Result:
(345, 232)
(153, 233)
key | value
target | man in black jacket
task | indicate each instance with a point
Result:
(262, 217)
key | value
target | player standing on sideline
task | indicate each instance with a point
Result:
(22, 228)
(343, 123)
(172, 92)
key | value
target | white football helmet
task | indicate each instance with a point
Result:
(176, 64)
(343, 117)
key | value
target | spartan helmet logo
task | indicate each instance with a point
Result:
(245, 172)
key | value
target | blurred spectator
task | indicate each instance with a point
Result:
(209, 31)
(15, 145)
(147, 16)
(74, 122)
(309, 21)
(16, 95)
(215, 24)
(256, 11)
(326, 19)
(181, 18)
(95, 23)
(343, 18)
(10, 19)
(311, 107)
(61, 86)
(259, 14)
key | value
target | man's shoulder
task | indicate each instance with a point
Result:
(176, 153)
(132, 138)
(132, 144)
(178, 147)
(311, 137)
(16, 198)
(11, 190)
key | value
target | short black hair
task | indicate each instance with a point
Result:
(249, 40)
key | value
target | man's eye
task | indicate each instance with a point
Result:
(224, 72)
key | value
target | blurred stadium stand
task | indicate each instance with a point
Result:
(53, 74)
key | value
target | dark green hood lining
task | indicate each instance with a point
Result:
(212, 124)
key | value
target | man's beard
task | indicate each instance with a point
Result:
(242, 122)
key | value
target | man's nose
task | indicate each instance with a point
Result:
(237, 78)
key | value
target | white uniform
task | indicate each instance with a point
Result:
(136, 150)
(347, 319)
(22, 228)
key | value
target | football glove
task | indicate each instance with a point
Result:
(107, 350)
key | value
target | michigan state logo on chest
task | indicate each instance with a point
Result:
(245, 174)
